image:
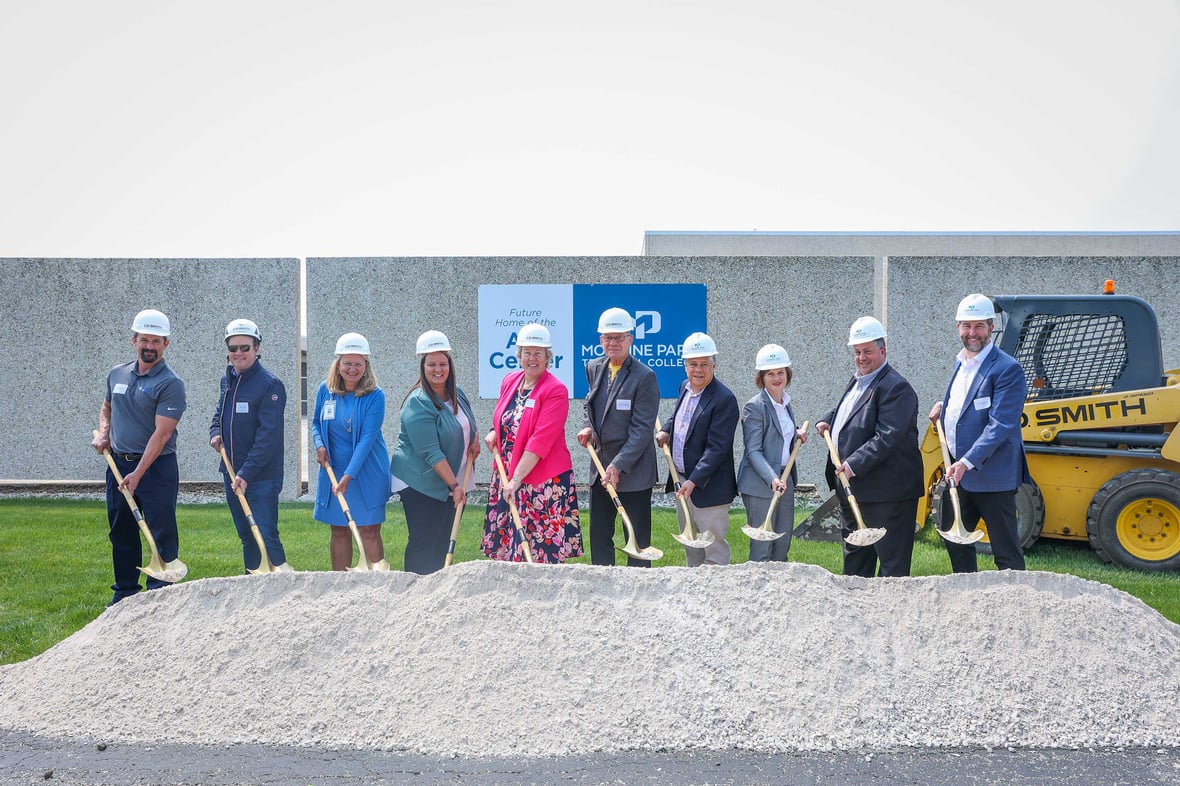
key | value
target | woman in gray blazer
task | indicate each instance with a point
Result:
(769, 432)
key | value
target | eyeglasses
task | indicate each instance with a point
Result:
(240, 347)
(614, 338)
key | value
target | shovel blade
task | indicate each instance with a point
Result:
(170, 572)
(757, 533)
(865, 537)
(962, 538)
(703, 539)
(649, 554)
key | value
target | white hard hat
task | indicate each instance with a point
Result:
(974, 307)
(865, 329)
(352, 344)
(242, 327)
(771, 356)
(534, 335)
(698, 345)
(151, 322)
(615, 320)
(432, 341)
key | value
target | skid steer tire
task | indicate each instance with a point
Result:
(1134, 520)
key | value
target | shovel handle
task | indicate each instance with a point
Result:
(958, 526)
(524, 539)
(264, 564)
(156, 567)
(362, 561)
(610, 488)
(450, 558)
(127, 495)
(836, 462)
(786, 473)
(232, 478)
(689, 529)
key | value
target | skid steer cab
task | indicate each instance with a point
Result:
(1099, 428)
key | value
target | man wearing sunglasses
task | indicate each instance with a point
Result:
(248, 423)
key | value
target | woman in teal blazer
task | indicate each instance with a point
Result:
(434, 446)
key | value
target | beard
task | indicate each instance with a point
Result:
(148, 355)
(976, 345)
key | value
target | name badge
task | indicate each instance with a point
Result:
(120, 388)
(983, 403)
(242, 406)
(329, 411)
(529, 404)
(623, 404)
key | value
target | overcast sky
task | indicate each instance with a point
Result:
(381, 127)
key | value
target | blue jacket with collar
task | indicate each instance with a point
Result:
(988, 433)
(249, 420)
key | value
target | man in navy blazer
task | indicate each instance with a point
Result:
(701, 432)
(620, 413)
(875, 429)
(980, 416)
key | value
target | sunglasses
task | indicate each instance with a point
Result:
(239, 347)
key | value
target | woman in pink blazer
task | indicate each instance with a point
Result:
(528, 429)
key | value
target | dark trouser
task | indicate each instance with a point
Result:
(428, 521)
(263, 498)
(895, 550)
(998, 509)
(156, 498)
(602, 523)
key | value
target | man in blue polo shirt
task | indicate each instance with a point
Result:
(248, 423)
(144, 402)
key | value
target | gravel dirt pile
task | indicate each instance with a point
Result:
(487, 659)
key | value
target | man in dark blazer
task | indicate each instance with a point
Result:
(700, 433)
(620, 415)
(875, 431)
(980, 415)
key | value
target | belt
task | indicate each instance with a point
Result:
(129, 456)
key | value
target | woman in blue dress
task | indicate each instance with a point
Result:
(346, 432)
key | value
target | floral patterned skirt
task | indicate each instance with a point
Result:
(549, 515)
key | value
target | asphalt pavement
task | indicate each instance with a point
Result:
(26, 759)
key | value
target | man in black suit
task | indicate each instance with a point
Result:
(875, 431)
(701, 432)
(620, 414)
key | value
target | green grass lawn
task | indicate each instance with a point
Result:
(55, 560)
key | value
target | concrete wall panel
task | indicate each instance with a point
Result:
(924, 292)
(66, 322)
(806, 304)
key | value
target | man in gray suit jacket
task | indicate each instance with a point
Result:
(620, 416)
